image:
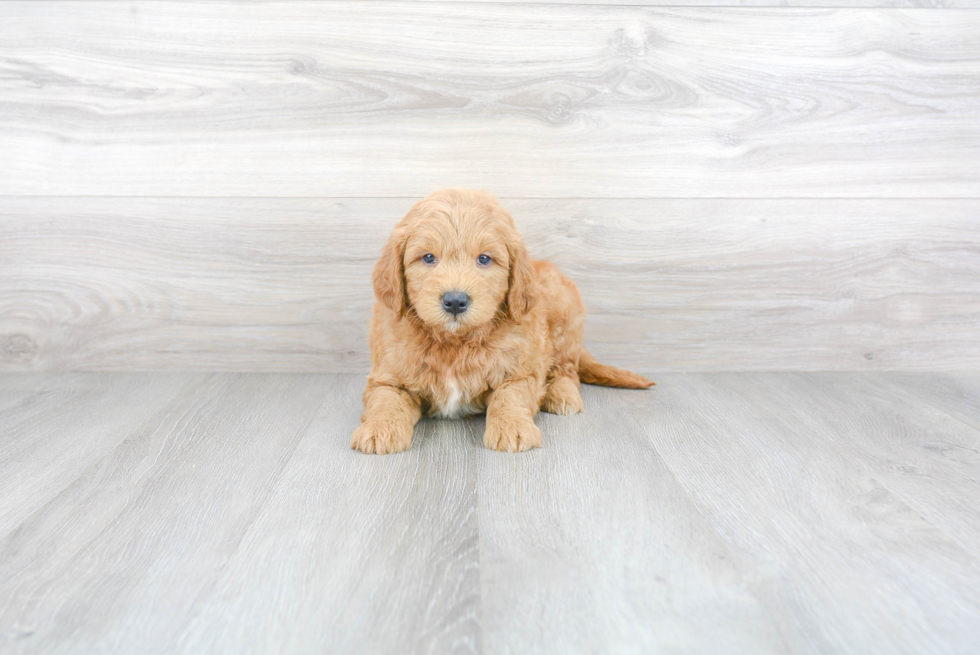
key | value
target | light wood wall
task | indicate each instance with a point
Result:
(205, 185)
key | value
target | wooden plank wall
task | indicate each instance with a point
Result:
(205, 185)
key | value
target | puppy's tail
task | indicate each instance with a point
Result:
(592, 372)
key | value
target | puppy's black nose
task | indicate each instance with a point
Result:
(455, 302)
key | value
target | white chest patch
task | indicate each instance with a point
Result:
(455, 405)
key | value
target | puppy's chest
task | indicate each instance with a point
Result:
(454, 396)
(457, 382)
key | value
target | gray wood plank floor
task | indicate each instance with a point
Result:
(737, 512)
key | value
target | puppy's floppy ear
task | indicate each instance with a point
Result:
(520, 295)
(389, 274)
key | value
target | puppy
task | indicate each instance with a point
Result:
(465, 322)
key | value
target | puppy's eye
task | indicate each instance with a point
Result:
(484, 260)
(429, 258)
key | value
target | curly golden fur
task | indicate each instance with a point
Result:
(465, 322)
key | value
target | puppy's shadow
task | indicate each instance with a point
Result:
(451, 433)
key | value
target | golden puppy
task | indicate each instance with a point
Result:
(466, 322)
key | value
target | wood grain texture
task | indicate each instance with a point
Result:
(120, 559)
(284, 284)
(902, 443)
(884, 4)
(240, 495)
(57, 427)
(593, 531)
(822, 530)
(373, 99)
(717, 513)
(355, 554)
(956, 394)
(786, 4)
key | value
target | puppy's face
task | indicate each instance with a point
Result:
(457, 260)
(456, 270)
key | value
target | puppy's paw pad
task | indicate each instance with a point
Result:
(512, 435)
(562, 398)
(377, 437)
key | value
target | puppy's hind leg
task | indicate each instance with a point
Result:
(562, 396)
(566, 319)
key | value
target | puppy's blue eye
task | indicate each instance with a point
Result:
(484, 260)
(429, 258)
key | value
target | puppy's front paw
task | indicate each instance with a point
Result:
(512, 434)
(382, 437)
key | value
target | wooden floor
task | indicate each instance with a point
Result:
(738, 513)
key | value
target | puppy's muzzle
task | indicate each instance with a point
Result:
(455, 302)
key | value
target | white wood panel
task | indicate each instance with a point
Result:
(937, 4)
(375, 99)
(884, 4)
(284, 284)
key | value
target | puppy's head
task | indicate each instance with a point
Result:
(457, 261)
